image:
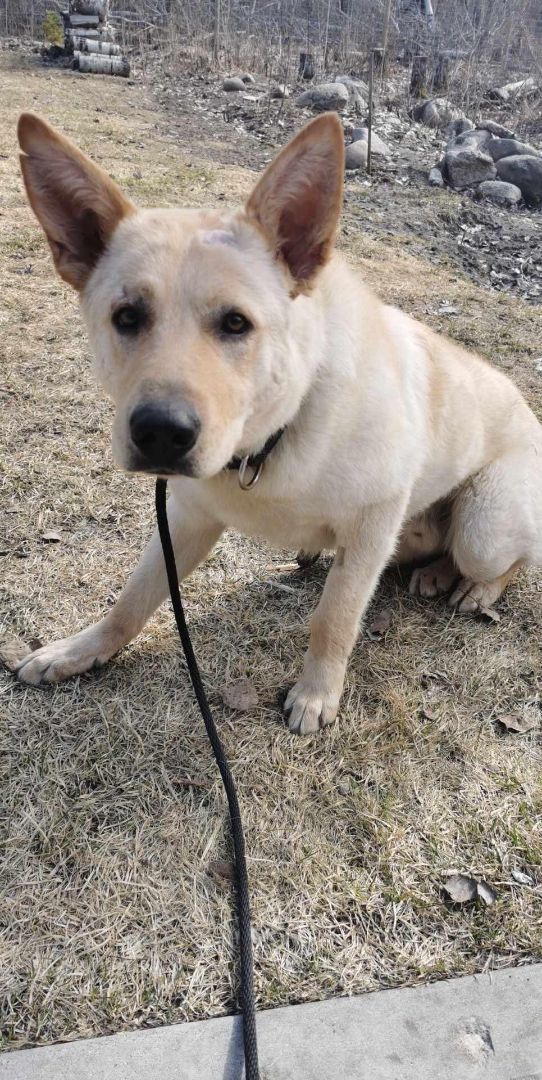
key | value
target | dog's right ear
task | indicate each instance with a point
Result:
(77, 205)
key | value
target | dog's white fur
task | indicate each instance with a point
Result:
(398, 443)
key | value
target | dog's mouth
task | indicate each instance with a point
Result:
(138, 464)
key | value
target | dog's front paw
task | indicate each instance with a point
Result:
(310, 707)
(70, 656)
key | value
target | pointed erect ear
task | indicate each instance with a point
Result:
(75, 202)
(298, 200)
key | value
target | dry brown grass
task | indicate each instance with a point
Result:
(110, 916)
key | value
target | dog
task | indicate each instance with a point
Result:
(251, 366)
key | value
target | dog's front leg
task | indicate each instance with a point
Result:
(193, 534)
(365, 550)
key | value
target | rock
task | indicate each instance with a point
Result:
(514, 91)
(233, 84)
(479, 138)
(496, 129)
(280, 92)
(467, 166)
(436, 113)
(457, 127)
(358, 84)
(500, 192)
(499, 148)
(323, 97)
(356, 155)
(248, 78)
(378, 147)
(436, 178)
(427, 113)
(526, 173)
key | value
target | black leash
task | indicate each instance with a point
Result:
(243, 902)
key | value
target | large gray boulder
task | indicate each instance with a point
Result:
(526, 173)
(356, 155)
(478, 137)
(326, 96)
(357, 84)
(232, 84)
(499, 148)
(378, 147)
(500, 192)
(467, 166)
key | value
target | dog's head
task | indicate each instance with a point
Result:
(190, 312)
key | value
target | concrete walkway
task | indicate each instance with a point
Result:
(487, 1027)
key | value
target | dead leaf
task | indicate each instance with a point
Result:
(380, 624)
(447, 309)
(460, 889)
(51, 537)
(12, 651)
(240, 696)
(521, 878)
(519, 723)
(486, 893)
(490, 614)
(34, 644)
(221, 870)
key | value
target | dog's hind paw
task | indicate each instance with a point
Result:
(308, 709)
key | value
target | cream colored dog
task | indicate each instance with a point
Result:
(213, 330)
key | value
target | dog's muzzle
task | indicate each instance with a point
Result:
(163, 433)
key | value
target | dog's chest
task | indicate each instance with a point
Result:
(284, 522)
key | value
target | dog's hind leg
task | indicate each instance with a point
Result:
(193, 535)
(496, 526)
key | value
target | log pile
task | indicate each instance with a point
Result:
(90, 39)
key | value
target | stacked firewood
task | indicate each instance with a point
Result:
(88, 36)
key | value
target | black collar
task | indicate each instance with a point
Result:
(255, 462)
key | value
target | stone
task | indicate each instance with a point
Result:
(526, 173)
(427, 113)
(500, 192)
(358, 84)
(514, 91)
(496, 129)
(478, 137)
(326, 96)
(436, 178)
(467, 166)
(234, 83)
(499, 148)
(248, 78)
(378, 147)
(356, 155)
(457, 127)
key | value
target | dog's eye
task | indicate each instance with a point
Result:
(129, 318)
(234, 323)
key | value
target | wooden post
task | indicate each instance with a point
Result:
(442, 72)
(370, 116)
(385, 36)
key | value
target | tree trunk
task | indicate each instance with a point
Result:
(418, 78)
(442, 72)
(101, 65)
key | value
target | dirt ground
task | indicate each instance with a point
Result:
(115, 907)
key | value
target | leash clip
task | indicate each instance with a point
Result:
(244, 484)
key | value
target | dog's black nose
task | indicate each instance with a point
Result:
(163, 433)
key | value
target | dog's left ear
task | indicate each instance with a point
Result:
(298, 200)
(77, 205)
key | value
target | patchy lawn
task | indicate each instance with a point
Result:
(112, 916)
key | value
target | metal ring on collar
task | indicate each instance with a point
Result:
(245, 485)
